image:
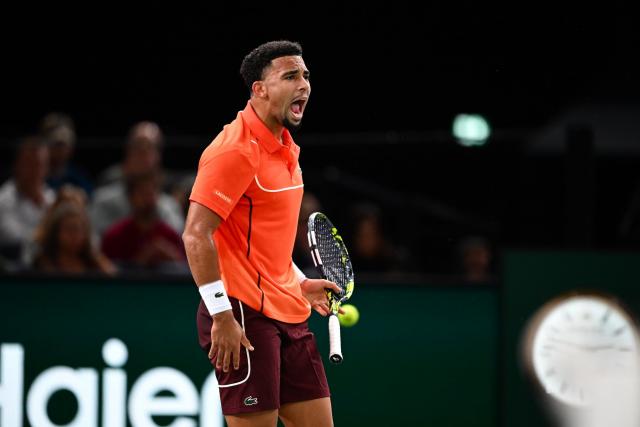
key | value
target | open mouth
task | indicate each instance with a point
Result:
(297, 107)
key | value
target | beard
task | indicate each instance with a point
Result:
(291, 127)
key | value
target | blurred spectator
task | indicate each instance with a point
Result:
(370, 248)
(143, 152)
(66, 194)
(58, 130)
(143, 240)
(301, 256)
(475, 258)
(181, 190)
(24, 198)
(65, 244)
(110, 203)
(73, 194)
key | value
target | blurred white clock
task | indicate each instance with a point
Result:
(576, 343)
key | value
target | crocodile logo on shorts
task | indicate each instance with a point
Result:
(219, 294)
(248, 401)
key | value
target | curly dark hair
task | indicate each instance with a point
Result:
(258, 59)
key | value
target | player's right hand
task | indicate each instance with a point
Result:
(226, 337)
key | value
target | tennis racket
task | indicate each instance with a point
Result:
(332, 261)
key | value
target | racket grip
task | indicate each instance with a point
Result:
(335, 346)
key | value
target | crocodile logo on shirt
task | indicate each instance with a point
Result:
(219, 294)
(248, 401)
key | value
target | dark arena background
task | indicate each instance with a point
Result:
(479, 159)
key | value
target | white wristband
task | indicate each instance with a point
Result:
(215, 297)
(299, 273)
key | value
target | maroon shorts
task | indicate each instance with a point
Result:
(285, 364)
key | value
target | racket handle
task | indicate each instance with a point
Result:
(335, 347)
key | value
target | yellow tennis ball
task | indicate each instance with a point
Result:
(350, 316)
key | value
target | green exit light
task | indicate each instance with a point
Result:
(471, 129)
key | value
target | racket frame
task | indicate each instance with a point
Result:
(335, 346)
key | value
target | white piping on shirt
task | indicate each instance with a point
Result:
(279, 189)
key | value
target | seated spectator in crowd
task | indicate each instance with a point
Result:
(301, 255)
(180, 190)
(66, 194)
(58, 130)
(143, 152)
(369, 248)
(65, 245)
(475, 257)
(24, 198)
(143, 240)
(110, 203)
(73, 194)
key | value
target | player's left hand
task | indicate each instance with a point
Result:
(314, 290)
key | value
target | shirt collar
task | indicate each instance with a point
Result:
(264, 135)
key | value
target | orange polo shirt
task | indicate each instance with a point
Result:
(254, 183)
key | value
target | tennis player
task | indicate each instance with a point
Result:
(239, 237)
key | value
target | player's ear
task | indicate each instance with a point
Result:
(259, 89)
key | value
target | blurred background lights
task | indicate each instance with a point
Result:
(471, 129)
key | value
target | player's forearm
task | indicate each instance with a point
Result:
(202, 256)
(203, 261)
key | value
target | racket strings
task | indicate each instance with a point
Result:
(333, 255)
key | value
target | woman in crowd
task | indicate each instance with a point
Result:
(65, 244)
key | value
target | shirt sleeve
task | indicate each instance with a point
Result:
(222, 179)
